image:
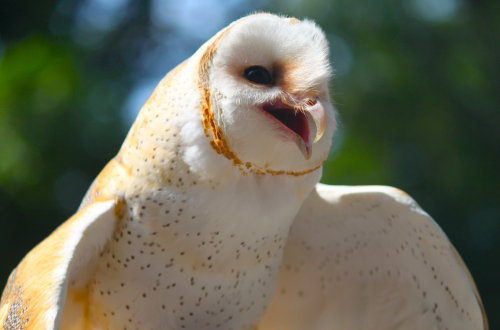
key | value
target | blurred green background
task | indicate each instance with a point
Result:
(417, 89)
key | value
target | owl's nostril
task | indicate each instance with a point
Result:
(311, 102)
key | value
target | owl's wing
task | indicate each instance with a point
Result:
(37, 290)
(369, 257)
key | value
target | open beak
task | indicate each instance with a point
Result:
(306, 123)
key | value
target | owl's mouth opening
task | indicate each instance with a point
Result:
(292, 121)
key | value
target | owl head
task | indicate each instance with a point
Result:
(256, 93)
(264, 81)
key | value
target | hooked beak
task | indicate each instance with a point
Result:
(306, 124)
(318, 113)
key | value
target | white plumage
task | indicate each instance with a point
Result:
(194, 225)
(368, 257)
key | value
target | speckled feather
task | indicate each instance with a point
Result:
(369, 257)
(186, 227)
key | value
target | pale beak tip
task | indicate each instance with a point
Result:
(319, 134)
(319, 116)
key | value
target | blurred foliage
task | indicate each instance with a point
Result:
(417, 90)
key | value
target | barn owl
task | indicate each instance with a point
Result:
(211, 216)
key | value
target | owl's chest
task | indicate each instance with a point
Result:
(188, 262)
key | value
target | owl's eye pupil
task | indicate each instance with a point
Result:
(258, 75)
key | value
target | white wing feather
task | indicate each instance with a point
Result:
(36, 296)
(369, 257)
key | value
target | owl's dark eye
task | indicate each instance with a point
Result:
(258, 75)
